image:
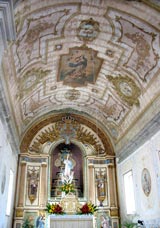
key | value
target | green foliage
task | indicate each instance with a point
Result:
(67, 187)
(27, 223)
(129, 224)
(88, 208)
(54, 208)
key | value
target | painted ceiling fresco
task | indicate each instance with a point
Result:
(99, 57)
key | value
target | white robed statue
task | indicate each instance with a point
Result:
(67, 175)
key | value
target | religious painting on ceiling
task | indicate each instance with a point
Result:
(79, 67)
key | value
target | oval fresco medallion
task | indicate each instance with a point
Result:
(146, 181)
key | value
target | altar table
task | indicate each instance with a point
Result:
(71, 221)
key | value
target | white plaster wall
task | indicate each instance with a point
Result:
(7, 161)
(147, 156)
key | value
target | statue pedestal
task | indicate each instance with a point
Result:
(70, 203)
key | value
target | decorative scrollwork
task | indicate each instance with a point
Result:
(126, 89)
(30, 80)
(88, 138)
(88, 30)
(67, 129)
(48, 135)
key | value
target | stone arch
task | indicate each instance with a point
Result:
(86, 137)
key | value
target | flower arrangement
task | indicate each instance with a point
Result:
(28, 223)
(67, 187)
(54, 208)
(88, 208)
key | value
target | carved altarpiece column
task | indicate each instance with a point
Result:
(102, 189)
(22, 184)
(43, 186)
(32, 188)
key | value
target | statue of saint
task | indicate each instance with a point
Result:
(67, 176)
(105, 222)
(101, 188)
(40, 222)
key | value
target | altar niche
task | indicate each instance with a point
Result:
(61, 153)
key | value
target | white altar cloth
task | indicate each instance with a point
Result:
(71, 221)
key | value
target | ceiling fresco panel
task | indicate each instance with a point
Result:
(79, 67)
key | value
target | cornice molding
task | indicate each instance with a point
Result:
(7, 34)
(7, 27)
(150, 129)
(8, 122)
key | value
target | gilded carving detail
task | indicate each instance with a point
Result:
(48, 135)
(33, 182)
(126, 89)
(19, 213)
(101, 185)
(70, 203)
(88, 138)
(55, 118)
(68, 129)
(114, 212)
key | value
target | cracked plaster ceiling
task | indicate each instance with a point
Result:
(96, 58)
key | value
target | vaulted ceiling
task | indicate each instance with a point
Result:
(97, 60)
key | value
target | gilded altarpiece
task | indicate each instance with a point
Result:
(95, 177)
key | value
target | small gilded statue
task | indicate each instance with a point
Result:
(101, 187)
(33, 180)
